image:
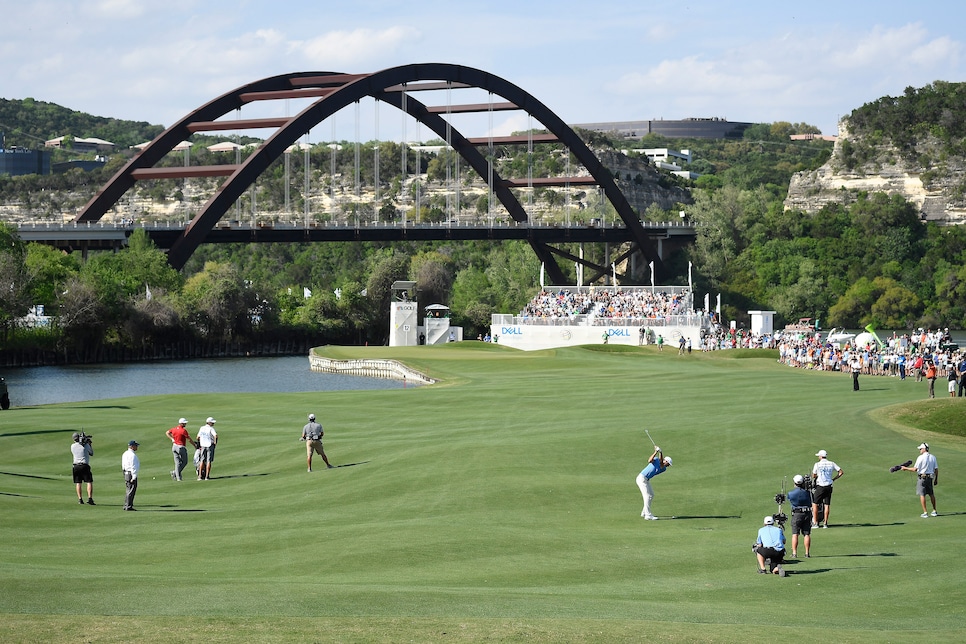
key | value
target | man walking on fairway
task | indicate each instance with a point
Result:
(656, 464)
(179, 439)
(927, 472)
(312, 435)
(207, 440)
(130, 465)
(823, 473)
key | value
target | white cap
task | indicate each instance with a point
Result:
(799, 479)
(924, 446)
(311, 416)
(769, 520)
(669, 461)
(210, 420)
(821, 453)
(182, 421)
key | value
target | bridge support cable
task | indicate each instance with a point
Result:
(375, 162)
(334, 91)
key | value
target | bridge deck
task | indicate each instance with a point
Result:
(101, 235)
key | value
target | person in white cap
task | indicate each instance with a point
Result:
(312, 435)
(927, 471)
(207, 440)
(656, 464)
(823, 473)
(801, 502)
(770, 545)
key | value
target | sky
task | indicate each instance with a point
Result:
(751, 61)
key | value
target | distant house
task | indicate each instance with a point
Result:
(181, 147)
(81, 145)
(224, 146)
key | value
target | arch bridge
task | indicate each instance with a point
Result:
(330, 92)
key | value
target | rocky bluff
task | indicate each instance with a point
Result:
(926, 176)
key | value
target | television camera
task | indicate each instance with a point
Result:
(82, 438)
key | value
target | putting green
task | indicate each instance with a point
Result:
(497, 505)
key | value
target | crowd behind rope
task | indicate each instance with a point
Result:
(907, 355)
(900, 356)
(608, 303)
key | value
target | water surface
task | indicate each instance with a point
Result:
(30, 386)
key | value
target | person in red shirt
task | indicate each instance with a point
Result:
(179, 439)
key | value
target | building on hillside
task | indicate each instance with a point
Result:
(813, 137)
(79, 144)
(20, 161)
(665, 159)
(692, 128)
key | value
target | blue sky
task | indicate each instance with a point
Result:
(755, 61)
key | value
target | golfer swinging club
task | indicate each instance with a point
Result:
(657, 463)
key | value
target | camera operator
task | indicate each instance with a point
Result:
(801, 500)
(82, 450)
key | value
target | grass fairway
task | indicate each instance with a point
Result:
(499, 505)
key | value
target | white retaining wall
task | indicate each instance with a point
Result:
(389, 369)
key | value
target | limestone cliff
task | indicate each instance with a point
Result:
(925, 176)
(641, 182)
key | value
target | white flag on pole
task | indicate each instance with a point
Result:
(613, 269)
(689, 276)
(542, 266)
(718, 308)
(707, 303)
(651, 265)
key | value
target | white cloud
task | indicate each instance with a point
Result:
(349, 49)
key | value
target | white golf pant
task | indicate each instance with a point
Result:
(647, 492)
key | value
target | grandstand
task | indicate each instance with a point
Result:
(560, 316)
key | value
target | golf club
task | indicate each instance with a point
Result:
(651, 439)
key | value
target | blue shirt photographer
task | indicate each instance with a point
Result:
(770, 536)
(800, 498)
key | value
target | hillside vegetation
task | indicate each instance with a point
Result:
(871, 261)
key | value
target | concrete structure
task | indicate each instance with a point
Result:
(404, 328)
(762, 322)
(436, 328)
(692, 128)
(534, 333)
(20, 161)
(403, 315)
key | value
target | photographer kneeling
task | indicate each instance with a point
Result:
(770, 545)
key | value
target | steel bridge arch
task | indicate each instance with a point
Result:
(335, 91)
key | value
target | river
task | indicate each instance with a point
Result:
(29, 386)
